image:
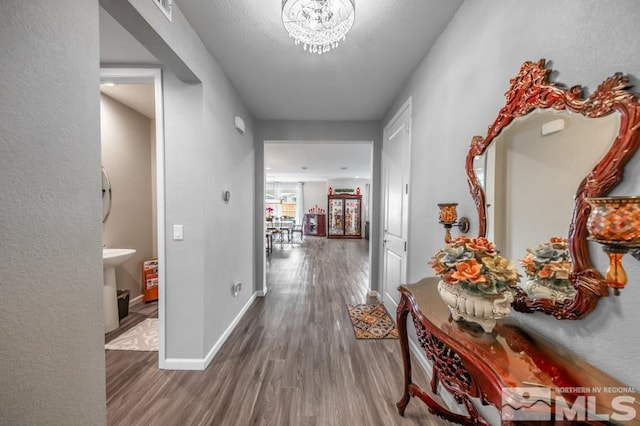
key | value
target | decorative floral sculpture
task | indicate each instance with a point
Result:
(475, 265)
(549, 262)
(476, 282)
(549, 265)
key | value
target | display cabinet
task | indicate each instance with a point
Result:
(315, 224)
(344, 216)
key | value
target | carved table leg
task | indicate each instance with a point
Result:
(434, 379)
(448, 369)
(401, 321)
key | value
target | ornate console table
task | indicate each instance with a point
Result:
(524, 375)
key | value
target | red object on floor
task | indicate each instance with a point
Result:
(150, 280)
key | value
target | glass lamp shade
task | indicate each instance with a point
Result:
(448, 213)
(614, 219)
(614, 222)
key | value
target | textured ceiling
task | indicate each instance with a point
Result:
(278, 80)
(357, 81)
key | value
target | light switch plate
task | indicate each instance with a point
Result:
(177, 233)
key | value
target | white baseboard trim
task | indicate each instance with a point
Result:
(214, 350)
(203, 363)
(374, 294)
(262, 293)
(389, 297)
(136, 300)
(196, 364)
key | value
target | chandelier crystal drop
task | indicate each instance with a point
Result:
(319, 25)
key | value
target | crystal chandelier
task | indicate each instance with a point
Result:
(318, 24)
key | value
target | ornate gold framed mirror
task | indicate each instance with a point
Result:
(542, 128)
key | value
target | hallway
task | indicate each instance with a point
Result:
(292, 360)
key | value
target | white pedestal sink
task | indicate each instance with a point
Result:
(110, 259)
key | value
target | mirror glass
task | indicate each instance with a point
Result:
(106, 195)
(530, 179)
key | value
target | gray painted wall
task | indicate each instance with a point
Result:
(315, 194)
(126, 147)
(52, 332)
(457, 91)
(204, 156)
(315, 131)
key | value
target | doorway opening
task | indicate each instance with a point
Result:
(298, 178)
(140, 90)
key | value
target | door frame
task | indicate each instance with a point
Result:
(405, 107)
(152, 75)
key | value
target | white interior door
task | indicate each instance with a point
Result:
(395, 186)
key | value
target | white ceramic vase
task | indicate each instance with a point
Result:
(483, 310)
(537, 290)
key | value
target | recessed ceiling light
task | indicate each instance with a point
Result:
(357, 177)
(303, 167)
(267, 168)
(343, 168)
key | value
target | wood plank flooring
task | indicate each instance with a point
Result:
(292, 360)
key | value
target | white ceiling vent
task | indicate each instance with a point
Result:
(165, 7)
